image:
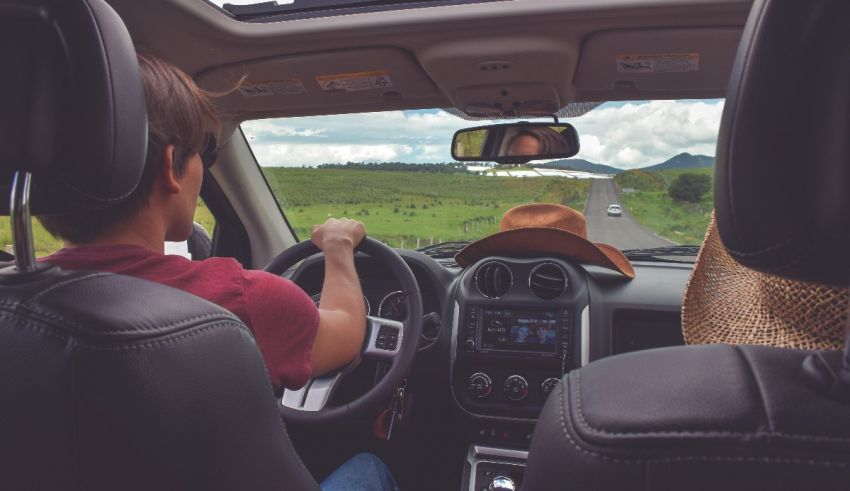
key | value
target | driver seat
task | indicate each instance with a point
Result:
(107, 381)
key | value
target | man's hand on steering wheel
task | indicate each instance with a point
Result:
(338, 232)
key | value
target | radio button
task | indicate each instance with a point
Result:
(548, 386)
(516, 388)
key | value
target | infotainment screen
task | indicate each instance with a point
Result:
(519, 330)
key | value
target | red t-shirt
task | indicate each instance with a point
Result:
(282, 317)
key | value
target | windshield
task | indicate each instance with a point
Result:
(394, 172)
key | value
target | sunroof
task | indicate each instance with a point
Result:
(278, 10)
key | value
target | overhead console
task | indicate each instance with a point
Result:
(517, 328)
(490, 77)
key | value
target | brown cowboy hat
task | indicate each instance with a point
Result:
(729, 303)
(535, 229)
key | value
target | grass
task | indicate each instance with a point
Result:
(406, 206)
(681, 222)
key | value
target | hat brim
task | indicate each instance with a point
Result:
(529, 242)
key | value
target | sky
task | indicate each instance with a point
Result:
(624, 135)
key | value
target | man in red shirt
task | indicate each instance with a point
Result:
(296, 339)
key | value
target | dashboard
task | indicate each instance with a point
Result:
(500, 333)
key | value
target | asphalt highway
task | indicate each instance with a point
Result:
(621, 232)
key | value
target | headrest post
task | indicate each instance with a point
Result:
(22, 222)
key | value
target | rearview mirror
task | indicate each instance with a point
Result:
(515, 143)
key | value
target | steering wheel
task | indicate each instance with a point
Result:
(309, 404)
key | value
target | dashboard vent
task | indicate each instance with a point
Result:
(493, 279)
(547, 280)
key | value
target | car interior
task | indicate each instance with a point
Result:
(111, 382)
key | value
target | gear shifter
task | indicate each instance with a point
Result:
(502, 483)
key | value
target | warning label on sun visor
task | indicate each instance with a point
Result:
(272, 87)
(352, 82)
(658, 62)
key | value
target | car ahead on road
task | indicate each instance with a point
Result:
(347, 109)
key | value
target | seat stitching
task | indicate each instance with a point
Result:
(66, 282)
(50, 315)
(686, 458)
(136, 344)
(696, 433)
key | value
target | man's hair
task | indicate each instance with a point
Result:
(180, 114)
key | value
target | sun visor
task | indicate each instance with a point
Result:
(317, 80)
(656, 63)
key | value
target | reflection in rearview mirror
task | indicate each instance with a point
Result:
(515, 143)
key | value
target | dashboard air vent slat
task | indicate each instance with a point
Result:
(493, 279)
(547, 281)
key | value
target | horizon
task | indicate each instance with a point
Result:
(484, 163)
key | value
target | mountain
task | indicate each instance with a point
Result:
(580, 165)
(683, 161)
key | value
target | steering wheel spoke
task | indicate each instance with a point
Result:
(383, 339)
(315, 394)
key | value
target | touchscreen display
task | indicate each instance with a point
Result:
(516, 330)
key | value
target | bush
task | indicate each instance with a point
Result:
(690, 187)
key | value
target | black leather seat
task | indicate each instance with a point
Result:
(738, 417)
(111, 382)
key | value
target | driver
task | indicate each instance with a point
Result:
(297, 340)
(536, 141)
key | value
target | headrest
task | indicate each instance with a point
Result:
(73, 106)
(782, 190)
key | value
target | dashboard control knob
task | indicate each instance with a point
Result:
(469, 345)
(549, 385)
(502, 483)
(479, 385)
(516, 388)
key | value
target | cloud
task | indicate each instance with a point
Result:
(634, 135)
(625, 135)
(409, 136)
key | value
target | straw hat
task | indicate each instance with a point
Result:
(729, 303)
(535, 229)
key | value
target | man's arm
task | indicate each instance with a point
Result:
(342, 313)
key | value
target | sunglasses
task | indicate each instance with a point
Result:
(209, 152)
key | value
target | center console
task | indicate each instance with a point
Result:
(518, 326)
(511, 357)
(517, 330)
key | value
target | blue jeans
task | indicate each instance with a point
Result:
(363, 472)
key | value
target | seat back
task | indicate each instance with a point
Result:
(112, 382)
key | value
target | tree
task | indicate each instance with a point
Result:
(690, 187)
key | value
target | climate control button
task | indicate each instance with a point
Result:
(548, 386)
(516, 388)
(479, 385)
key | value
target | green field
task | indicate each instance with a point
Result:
(406, 206)
(681, 222)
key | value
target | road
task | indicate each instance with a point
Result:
(621, 232)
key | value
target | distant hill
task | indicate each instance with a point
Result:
(580, 165)
(683, 161)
